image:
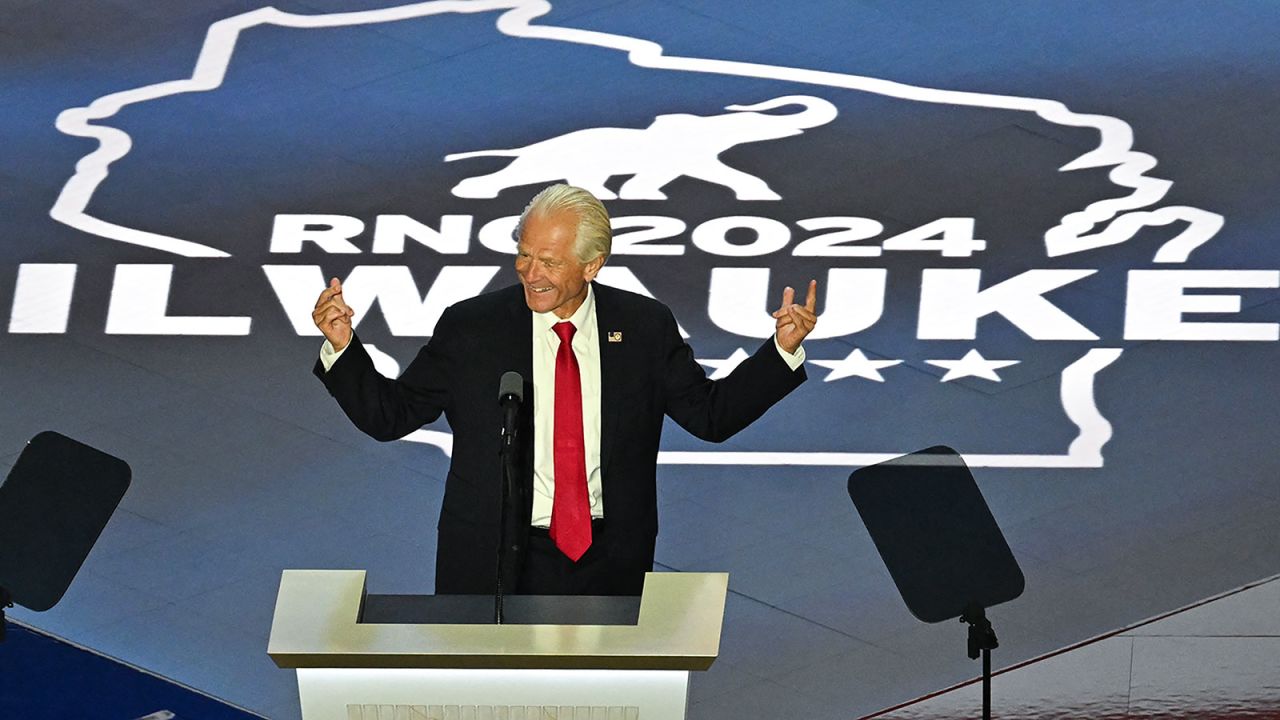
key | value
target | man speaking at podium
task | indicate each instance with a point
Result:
(601, 367)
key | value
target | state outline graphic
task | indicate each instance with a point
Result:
(1102, 223)
(1129, 168)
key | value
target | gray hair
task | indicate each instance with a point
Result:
(595, 235)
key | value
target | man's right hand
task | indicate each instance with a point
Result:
(333, 317)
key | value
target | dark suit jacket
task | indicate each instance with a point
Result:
(650, 373)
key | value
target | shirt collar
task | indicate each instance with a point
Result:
(583, 318)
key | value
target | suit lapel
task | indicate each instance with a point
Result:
(607, 321)
(517, 344)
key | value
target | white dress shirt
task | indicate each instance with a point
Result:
(586, 346)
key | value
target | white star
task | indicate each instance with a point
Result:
(972, 364)
(725, 366)
(855, 364)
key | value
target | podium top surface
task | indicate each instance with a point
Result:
(317, 624)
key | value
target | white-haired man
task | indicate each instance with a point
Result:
(602, 367)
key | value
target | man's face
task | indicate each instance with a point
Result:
(554, 279)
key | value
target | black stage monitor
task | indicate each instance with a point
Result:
(936, 534)
(53, 506)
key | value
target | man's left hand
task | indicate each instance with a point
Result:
(795, 322)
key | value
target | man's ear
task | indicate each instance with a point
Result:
(590, 270)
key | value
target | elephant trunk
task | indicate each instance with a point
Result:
(816, 110)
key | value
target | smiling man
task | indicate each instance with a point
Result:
(602, 367)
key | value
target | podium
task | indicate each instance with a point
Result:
(562, 658)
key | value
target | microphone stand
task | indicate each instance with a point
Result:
(510, 395)
(508, 485)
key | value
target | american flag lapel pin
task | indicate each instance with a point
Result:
(615, 336)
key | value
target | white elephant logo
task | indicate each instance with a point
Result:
(672, 146)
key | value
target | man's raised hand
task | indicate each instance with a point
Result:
(332, 316)
(795, 322)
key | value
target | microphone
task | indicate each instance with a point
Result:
(510, 395)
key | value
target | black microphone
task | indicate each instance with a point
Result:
(510, 395)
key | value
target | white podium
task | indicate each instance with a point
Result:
(353, 670)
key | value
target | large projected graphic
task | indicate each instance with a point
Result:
(1044, 234)
(744, 195)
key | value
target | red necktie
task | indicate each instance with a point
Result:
(570, 509)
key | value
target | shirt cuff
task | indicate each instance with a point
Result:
(793, 360)
(329, 356)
